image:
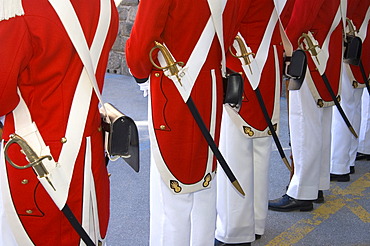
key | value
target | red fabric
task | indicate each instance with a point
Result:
(356, 12)
(317, 16)
(38, 57)
(253, 30)
(179, 25)
(287, 12)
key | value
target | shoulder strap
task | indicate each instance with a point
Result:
(363, 28)
(217, 9)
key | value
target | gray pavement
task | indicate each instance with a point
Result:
(343, 220)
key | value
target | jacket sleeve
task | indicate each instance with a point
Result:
(15, 52)
(148, 26)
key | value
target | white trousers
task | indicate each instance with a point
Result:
(310, 141)
(344, 144)
(364, 137)
(181, 219)
(240, 218)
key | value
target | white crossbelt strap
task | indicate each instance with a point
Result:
(288, 47)
(363, 29)
(217, 9)
(253, 70)
(322, 55)
(61, 171)
(190, 71)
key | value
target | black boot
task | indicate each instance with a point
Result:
(340, 177)
(320, 197)
(351, 169)
(287, 203)
(362, 157)
(219, 243)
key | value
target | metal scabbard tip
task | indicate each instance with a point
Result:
(238, 187)
(286, 162)
(353, 132)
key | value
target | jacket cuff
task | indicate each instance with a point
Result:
(140, 81)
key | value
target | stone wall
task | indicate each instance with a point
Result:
(117, 61)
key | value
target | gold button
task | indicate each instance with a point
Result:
(24, 181)
(355, 84)
(29, 211)
(99, 129)
(162, 127)
(156, 74)
(63, 140)
(320, 103)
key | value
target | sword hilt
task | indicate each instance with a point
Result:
(171, 65)
(32, 157)
(351, 27)
(244, 52)
(307, 40)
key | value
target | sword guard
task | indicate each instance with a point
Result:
(309, 44)
(26, 149)
(171, 65)
(243, 50)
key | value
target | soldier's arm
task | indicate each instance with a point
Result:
(148, 26)
(15, 53)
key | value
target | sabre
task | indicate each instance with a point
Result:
(32, 157)
(311, 46)
(312, 49)
(245, 55)
(363, 73)
(173, 68)
(38, 166)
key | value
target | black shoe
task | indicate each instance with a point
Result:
(362, 157)
(287, 203)
(320, 197)
(257, 236)
(351, 169)
(340, 177)
(219, 243)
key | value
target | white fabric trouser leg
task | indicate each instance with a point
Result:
(310, 140)
(344, 144)
(181, 219)
(240, 218)
(364, 136)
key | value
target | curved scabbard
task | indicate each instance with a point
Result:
(252, 79)
(320, 58)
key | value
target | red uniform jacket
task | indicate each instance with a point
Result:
(317, 16)
(253, 31)
(38, 57)
(356, 12)
(179, 24)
